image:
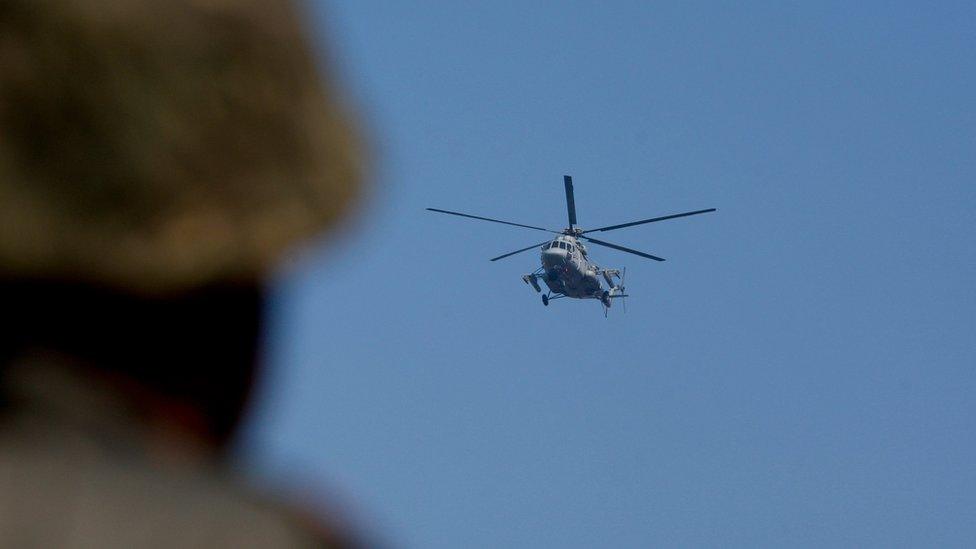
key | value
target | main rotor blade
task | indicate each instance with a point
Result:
(570, 200)
(519, 251)
(495, 220)
(652, 220)
(622, 249)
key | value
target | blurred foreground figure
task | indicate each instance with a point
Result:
(156, 159)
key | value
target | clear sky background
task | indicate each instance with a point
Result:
(802, 369)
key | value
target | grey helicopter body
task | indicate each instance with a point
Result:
(567, 270)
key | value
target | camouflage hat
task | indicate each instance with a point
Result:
(158, 146)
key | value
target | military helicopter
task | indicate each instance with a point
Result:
(566, 268)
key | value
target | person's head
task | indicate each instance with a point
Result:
(156, 161)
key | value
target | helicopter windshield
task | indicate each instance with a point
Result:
(559, 244)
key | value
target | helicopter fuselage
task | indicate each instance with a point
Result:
(567, 271)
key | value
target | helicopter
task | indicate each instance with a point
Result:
(567, 270)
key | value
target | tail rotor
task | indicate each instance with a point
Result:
(617, 290)
(623, 288)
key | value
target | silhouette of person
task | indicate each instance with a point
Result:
(156, 161)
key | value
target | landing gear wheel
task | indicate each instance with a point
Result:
(545, 300)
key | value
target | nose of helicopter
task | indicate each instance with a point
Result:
(553, 256)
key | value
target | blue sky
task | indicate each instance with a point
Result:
(799, 372)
